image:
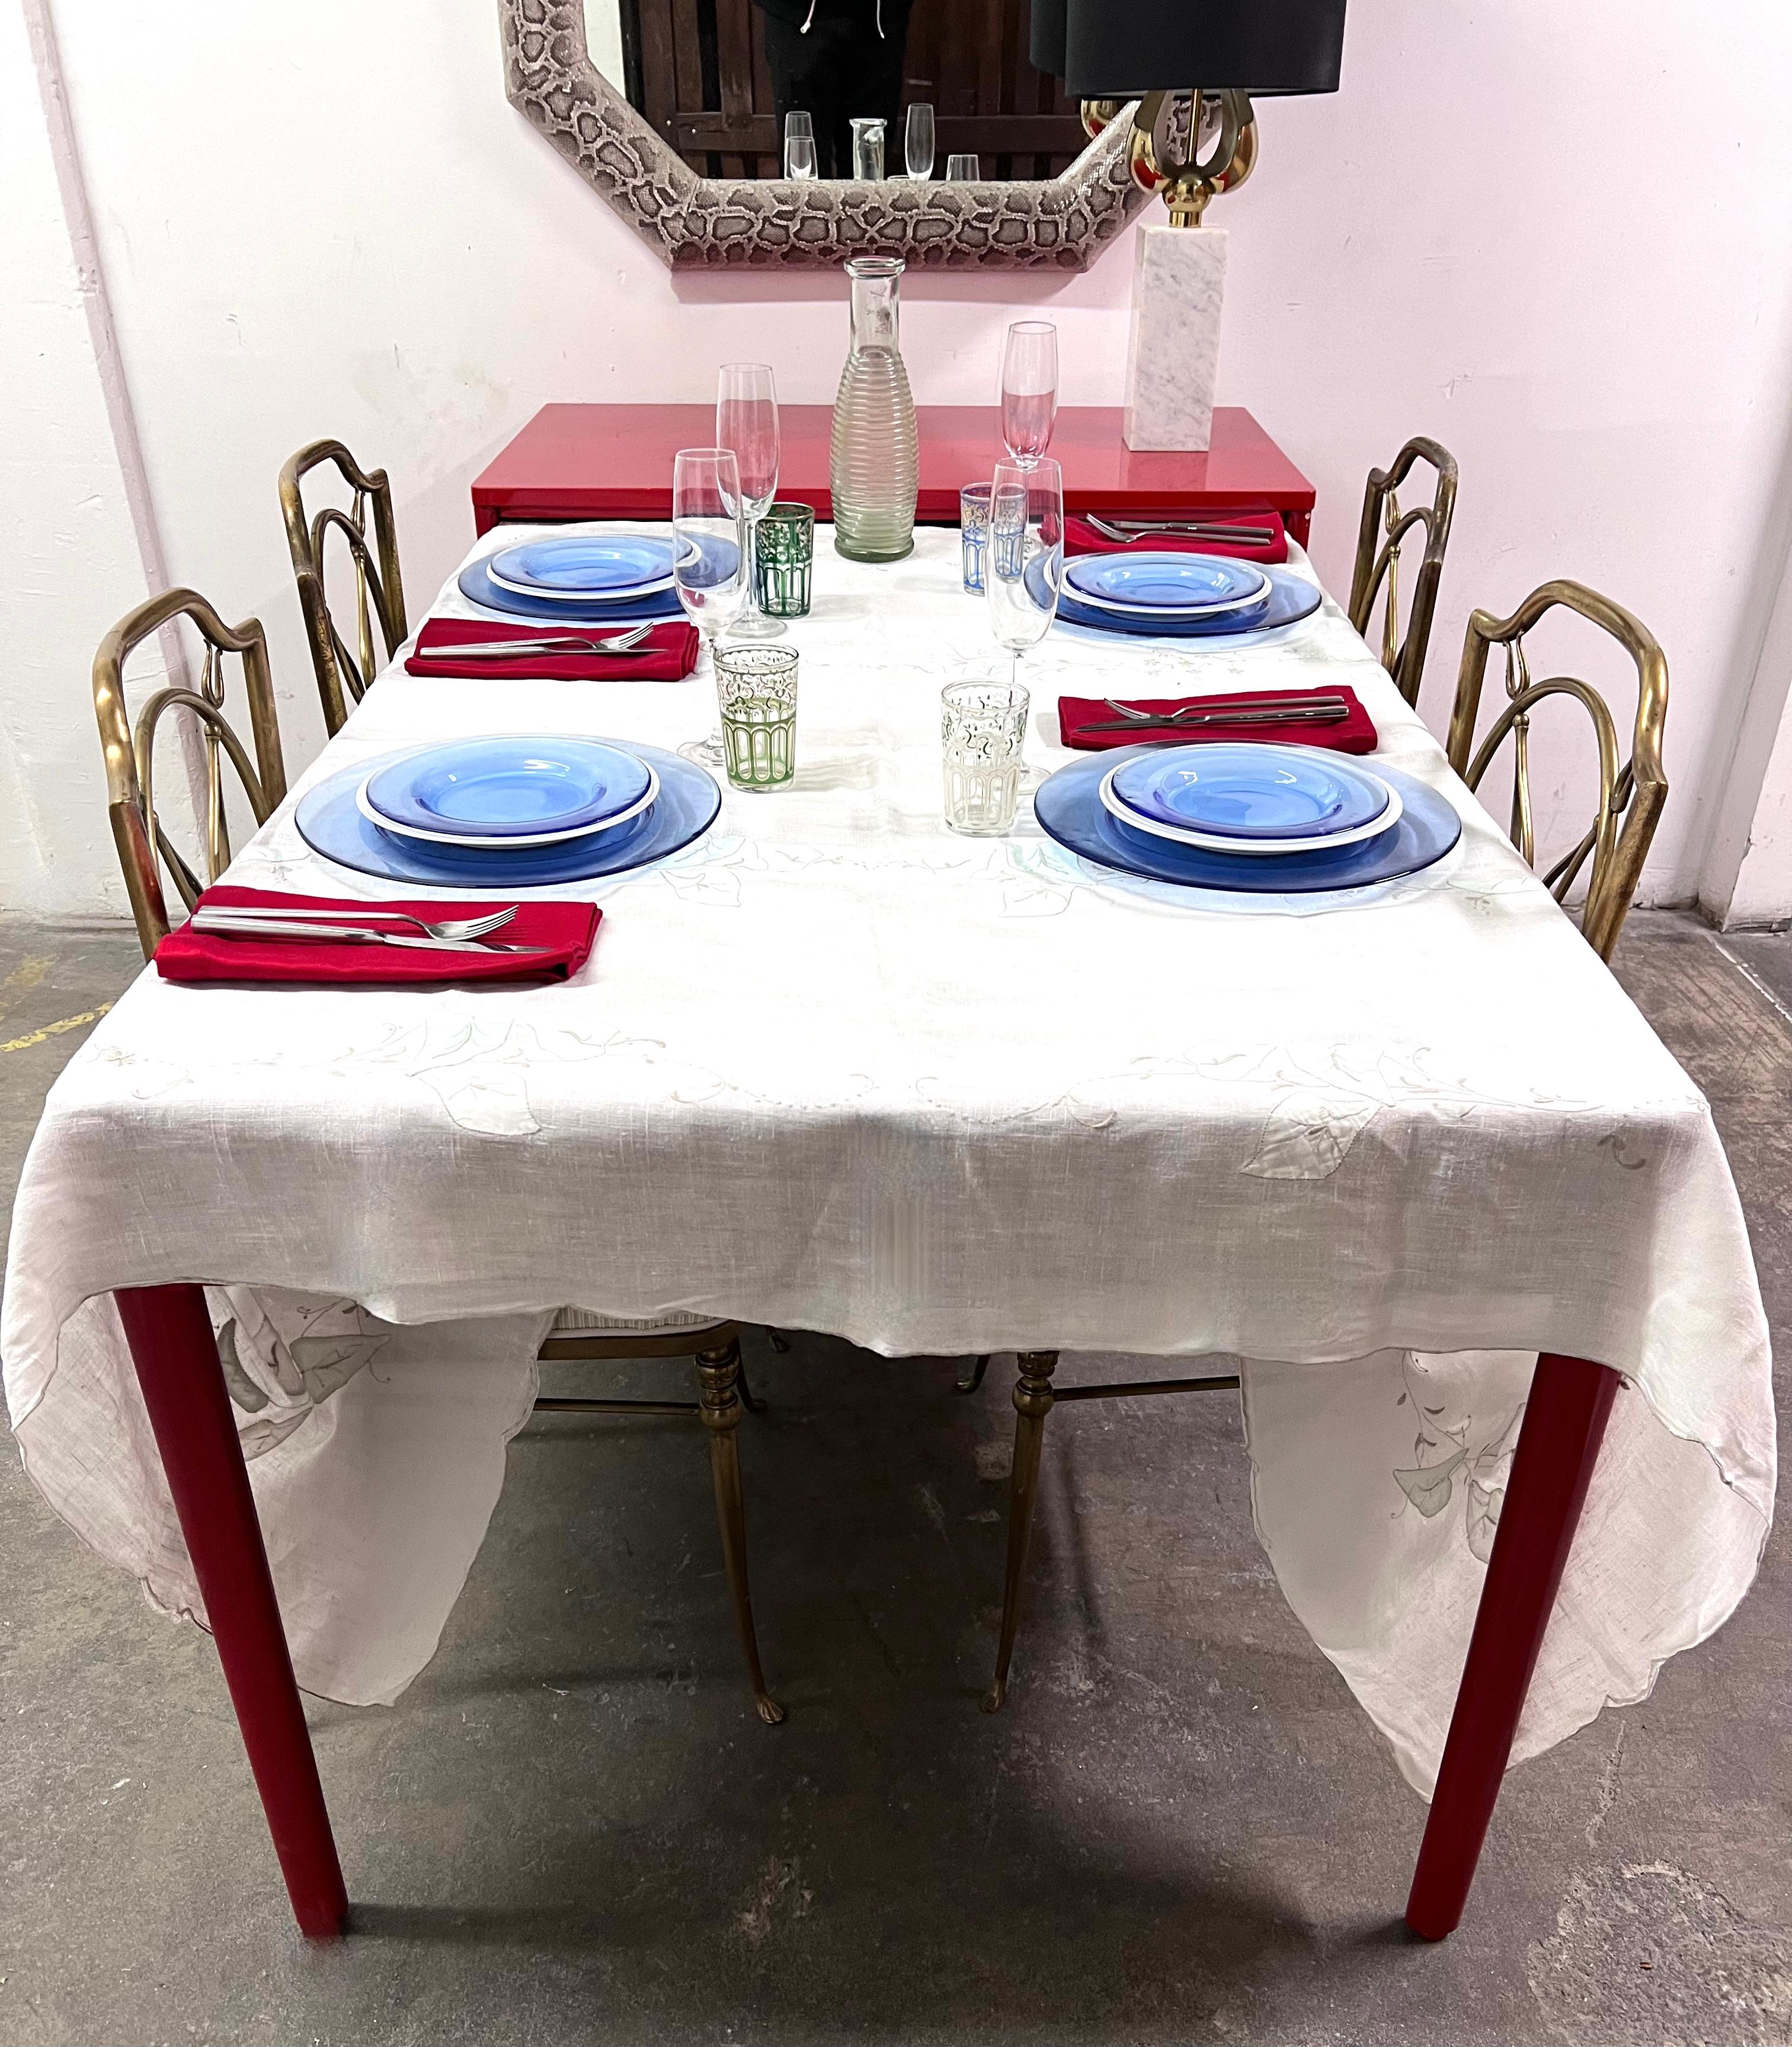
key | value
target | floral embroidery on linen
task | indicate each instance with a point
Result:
(1326, 1098)
(284, 1354)
(1443, 1450)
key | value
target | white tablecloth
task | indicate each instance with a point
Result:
(833, 1068)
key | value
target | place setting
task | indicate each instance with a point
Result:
(607, 603)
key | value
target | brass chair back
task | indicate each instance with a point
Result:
(1378, 565)
(344, 673)
(143, 843)
(1630, 797)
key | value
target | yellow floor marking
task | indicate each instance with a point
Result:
(55, 1029)
(27, 974)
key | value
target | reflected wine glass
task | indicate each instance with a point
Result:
(917, 141)
(1024, 557)
(963, 168)
(1029, 388)
(800, 146)
(746, 420)
(709, 557)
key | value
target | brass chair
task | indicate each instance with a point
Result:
(145, 848)
(1378, 568)
(344, 673)
(1629, 805)
(1630, 797)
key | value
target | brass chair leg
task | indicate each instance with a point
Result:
(1033, 1402)
(719, 1372)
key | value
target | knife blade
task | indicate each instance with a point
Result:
(214, 923)
(1217, 717)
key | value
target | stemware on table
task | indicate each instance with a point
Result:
(709, 556)
(756, 691)
(983, 732)
(783, 556)
(746, 420)
(1029, 388)
(918, 140)
(1023, 559)
(973, 533)
(800, 146)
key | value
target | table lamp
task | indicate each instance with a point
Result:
(1188, 143)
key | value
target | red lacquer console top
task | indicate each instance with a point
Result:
(615, 462)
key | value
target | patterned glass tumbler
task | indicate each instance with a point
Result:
(983, 730)
(786, 560)
(974, 532)
(756, 689)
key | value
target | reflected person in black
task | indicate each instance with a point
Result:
(838, 60)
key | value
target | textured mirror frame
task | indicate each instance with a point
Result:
(696, 223)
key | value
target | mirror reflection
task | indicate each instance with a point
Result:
(839, 88)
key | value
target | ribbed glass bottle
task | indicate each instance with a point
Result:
(875, 466)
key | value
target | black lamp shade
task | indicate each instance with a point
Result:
(1115, 49)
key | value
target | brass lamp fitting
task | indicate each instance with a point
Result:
(1165, 160)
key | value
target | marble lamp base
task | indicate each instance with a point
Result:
(1178, 287)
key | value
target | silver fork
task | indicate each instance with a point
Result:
(1141, 530)
(558, 643)
(453, 930)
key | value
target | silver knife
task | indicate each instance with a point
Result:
(217, 923)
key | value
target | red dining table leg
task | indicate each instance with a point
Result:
(1564, 1422)
(175, 1355)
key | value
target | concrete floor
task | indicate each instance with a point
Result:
(573, 1830)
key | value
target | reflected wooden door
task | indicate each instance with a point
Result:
(696, 70)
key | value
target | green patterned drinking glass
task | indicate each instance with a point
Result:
(786, 556)
(756, 689)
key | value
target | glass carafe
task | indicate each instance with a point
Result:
(875, 469)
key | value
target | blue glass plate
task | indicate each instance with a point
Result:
(509, 786)
(330, 821)
(1239, 790)
(1290, 598)
(1068, 806)
(585, 565)
(1185, 586)
(721, 559)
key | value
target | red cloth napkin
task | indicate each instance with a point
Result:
(1081, 538)
(1354, 733)
(668, 654)
(566, 930)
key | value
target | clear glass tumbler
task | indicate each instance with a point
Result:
(962, 169)
(974, 532)
(867, 150)
(983, 732)
(756, 691)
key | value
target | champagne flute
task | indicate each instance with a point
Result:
(1023, 559)
(1029, 388)
(800, 146)
(709, 557)
(917, 142)
(746, 420)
